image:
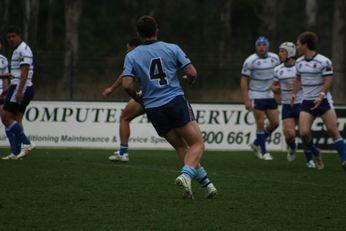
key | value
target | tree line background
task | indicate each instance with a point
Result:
(79, 45)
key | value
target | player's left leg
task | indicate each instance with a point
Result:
(131, 111)
(202, 178)
(289, 130)
(188, 171)
(191, 136)
(330, 121)
(260, 141)
(273, 118)
(305, 122)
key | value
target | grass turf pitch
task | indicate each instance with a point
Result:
(79, 189)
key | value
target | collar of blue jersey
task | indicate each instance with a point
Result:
(308, 60)
(149, 42)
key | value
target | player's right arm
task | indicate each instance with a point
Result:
(276, 87)
(128, 86)
(109, 90)
(244, 85)
(295, 89)
(190, 74)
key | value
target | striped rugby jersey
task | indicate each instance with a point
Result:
(21, 55)
(311, 73)
(286, 75)
(260, 71)
(3, 69)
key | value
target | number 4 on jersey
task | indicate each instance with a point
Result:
(156, 71)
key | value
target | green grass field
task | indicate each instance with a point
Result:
(77, 189)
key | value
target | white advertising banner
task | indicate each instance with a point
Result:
(96, 125)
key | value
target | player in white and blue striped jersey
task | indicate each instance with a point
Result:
(155, 64)
(284, 76)
(256, 80)
(19, 95)
(315, 76)
(4, 74)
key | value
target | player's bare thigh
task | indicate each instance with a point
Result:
(330, 121)
(259, 119)
(191, 133)
(289, 127)
(132, 110)
(273, 116)
(177, 143)
(305, 122)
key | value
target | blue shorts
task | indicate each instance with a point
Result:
(324, 107)
(265, 104)
(174, 114)
(289, 111)
(15, 107)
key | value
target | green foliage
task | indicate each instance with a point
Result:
(76, 189)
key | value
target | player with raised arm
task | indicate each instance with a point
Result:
(256, 80)
(19, 95)
(155, 64)
(315, 76)
(284, 76)
(131, 111)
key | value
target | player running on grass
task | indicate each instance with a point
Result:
(284, 76)
(19, 95)
(256, 80)
(131, 111)
(155, 64)
(315, 76)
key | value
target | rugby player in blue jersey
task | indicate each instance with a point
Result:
(155, 64)
(315, 76)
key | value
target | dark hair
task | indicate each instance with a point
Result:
(146, 26)
(310, 39)
(134, 42)
(14, 29)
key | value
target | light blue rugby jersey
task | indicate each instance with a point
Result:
(155, 64)
(311, 73)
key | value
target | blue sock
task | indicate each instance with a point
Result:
(19, 132)
(123, 149)
(308, 155)
(260, 137)
(267, 133)
(312, 147)
(340, 146)
(255, 142)
(292, 145)
(202, 177)
(19, 145)
(13, 141)
(189, 171)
